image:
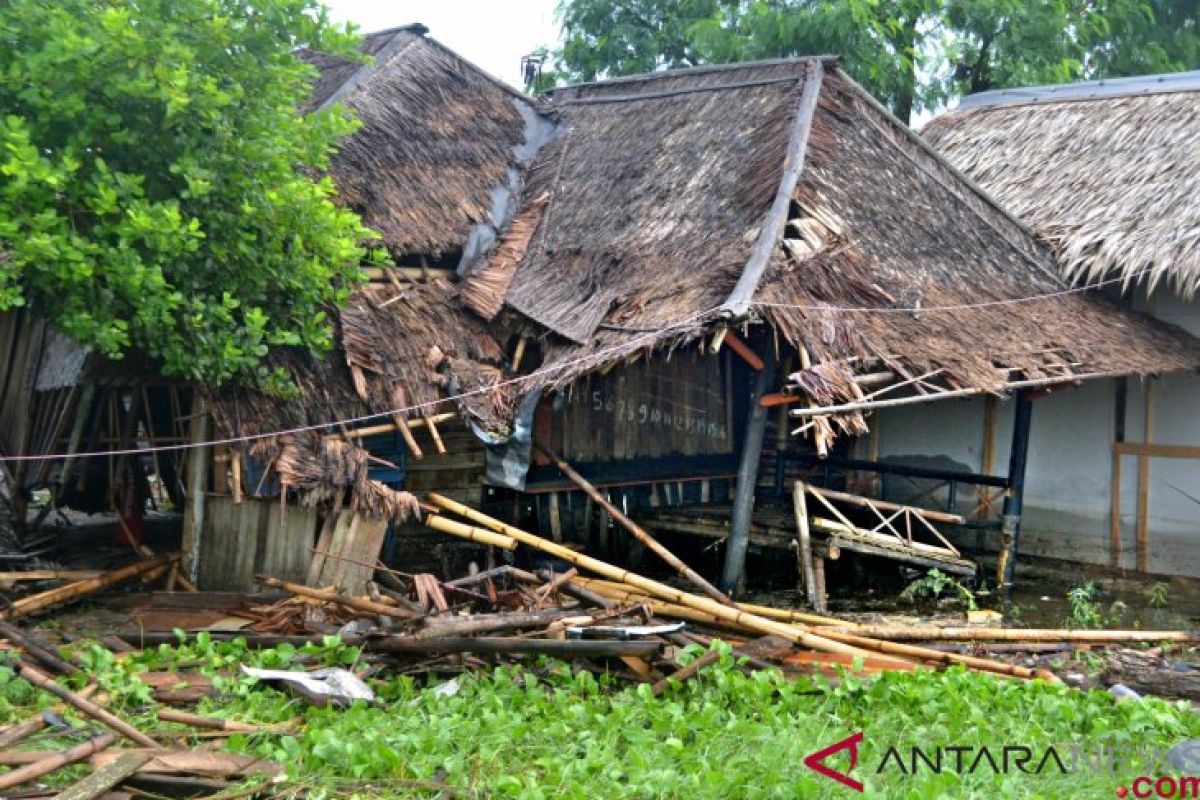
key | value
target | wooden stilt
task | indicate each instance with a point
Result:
(804, 552)
(819, 581)
(197, 487)
(1011, 526)
(747, 479)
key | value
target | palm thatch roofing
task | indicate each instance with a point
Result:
(1107, 173)
(438, 137)
(676, 201)
(640, 214)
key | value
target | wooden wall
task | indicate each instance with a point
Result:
(677, 406)
(240, 540)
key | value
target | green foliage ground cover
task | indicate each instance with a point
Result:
(543, 730)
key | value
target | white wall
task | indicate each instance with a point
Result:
(1069, 474)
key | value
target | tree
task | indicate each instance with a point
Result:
(912, 54)
(161, 189)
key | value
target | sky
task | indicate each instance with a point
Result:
(492, 34)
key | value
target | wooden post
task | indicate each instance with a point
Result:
(1143, 486)
(804, 555)
(1120, 404)
(819, 580)
(193, 514)
(743, 502)
(1010, 531)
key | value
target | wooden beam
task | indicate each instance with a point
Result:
(866, 502)
(1156, 450)
(804, 554)
(1143, 490)
(743, 350)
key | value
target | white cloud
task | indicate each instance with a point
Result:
(492, 34)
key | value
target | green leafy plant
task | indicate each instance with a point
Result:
(934, 584)
(162, 189)
(542, 729)
(1087, 611)
(1159, 595)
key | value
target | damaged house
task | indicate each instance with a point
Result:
(670, 298)
(689, 287)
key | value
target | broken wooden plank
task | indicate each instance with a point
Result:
(207, 763)
(107, 777)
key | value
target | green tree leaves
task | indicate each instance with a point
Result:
(159, 185)
(912, 54)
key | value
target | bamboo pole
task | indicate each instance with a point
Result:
(638, 532)
(330, 596)
(654, 588)
(439, 523)
(969, 634)
(940, 657)
(61, 759)
(780, 614)
(72, 591)
(804, 546)
(213, 723)
(44, 682)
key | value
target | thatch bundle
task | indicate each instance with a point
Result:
(1110, 183)
(324, 469)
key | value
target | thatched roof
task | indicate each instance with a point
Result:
(656, 209)
(440, 141)
(648, 215)
(1106, 172)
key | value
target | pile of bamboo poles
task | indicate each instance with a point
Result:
(824, 634)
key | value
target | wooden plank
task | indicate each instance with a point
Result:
(1156, 450)
(124, 764)
(289, 543)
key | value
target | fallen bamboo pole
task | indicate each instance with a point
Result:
(61, 759)
(213, 723)
(87, 707)
(654, 588)
(780, 614)
(73, 591)
(358, 604)
(37, 650)
(638, 532)
(968, 634)
(469, 533)
(941, 657)
(23, 730)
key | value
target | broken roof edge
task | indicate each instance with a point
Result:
(1107, 88)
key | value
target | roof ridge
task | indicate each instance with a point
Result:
(1102, 89)
(703, 69)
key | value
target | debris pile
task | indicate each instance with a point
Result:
(610, 620)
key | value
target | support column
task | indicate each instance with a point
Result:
(1010, 532)
(747, 477)
(197, 486)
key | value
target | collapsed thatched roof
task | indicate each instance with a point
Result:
(647, 215)
(657, 208)
(439, 144)
(1106, 172)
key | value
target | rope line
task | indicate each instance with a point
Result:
(560, 367)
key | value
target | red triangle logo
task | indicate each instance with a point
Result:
(816, 761)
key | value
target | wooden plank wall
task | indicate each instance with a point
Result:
(457, 474)
(675, 406)
(241, 539)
